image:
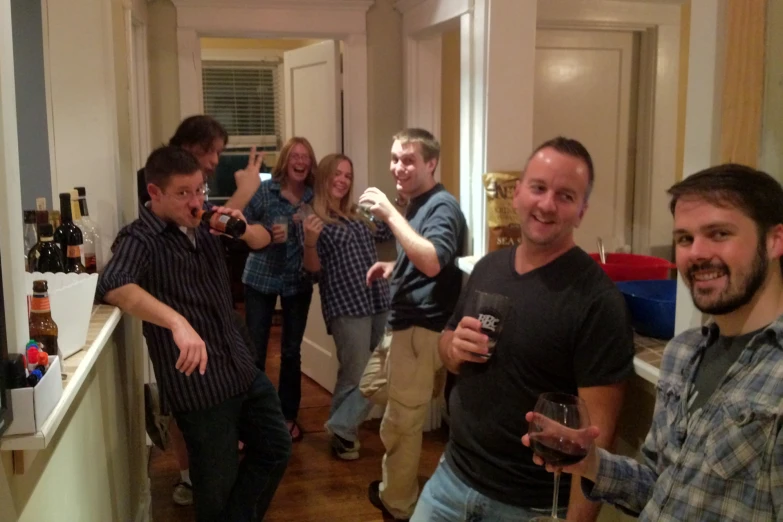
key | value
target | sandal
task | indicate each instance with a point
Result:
(294, 427)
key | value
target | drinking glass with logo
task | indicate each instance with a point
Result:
(558, 435)
(491, 310)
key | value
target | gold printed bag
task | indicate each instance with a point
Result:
(502, 219)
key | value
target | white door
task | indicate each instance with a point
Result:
(585, 89)
(313, 111)
(313, 85)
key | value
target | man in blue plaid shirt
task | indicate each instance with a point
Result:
(715, 448)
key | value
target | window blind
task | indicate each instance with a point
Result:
(244, 97)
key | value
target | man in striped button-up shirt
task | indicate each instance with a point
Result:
(168, 269)
(715, 448)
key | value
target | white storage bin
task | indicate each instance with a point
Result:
(32, 406)
(71, 297)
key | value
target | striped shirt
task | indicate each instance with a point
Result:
(277, 268)
(346, 251)
(193, 280)
(723, 462)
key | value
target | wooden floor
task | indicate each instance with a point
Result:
(316, 486)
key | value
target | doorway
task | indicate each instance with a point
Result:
(265, 91)
(586, 88)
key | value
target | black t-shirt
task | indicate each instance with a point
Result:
(719, 356)
(418, 300)
(568, 328)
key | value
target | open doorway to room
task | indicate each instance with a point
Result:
(265, 91)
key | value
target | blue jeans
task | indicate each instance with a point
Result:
(446, 498)
(224, 489)
(355, 339)
(259, 308)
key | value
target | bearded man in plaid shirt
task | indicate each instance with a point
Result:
(715, 448)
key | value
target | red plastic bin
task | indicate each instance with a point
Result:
(634, 267)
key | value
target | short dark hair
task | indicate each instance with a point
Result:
(167, 161)
(201, 130)
(755, 193)
(573, 148)
(430, 148)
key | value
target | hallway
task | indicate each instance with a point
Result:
(316, 486)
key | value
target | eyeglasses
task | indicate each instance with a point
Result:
(186, 195)
(299, 157)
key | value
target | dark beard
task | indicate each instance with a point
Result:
(758, 272)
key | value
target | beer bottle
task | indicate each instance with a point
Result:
(43, 329)
(222, 222)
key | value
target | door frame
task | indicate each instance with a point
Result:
(658, 22)
(343, 20)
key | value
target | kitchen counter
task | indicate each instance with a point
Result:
(649, 351)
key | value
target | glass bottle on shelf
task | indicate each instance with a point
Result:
(70, 237)
(30, 235)
(43, 329)
(45, 256)
(90, 231)
(76, 216)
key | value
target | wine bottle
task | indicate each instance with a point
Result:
(222, 222)
(30, 235)
(70, 237)
(90, 231)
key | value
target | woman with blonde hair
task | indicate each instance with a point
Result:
(276, 270)
(339, 245)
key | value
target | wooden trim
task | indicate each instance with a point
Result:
(743, 81)
(297, 5)
(421, 19)
(702, 119)
(682, 88)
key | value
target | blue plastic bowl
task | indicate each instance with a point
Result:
(652, 305)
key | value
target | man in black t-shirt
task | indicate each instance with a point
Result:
(567, 331)
(425, 285)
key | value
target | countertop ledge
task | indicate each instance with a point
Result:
(648, 351)
(76, 368)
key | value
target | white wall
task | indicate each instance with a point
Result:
(95, 467)
(164, 76)
(83, 120)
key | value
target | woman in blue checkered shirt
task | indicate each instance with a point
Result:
(339, 245)
(276, 270)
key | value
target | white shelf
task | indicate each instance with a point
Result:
(104, 319)
(643, 369)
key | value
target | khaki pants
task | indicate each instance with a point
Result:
(405, 372)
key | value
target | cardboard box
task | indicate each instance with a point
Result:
(71, 297)
(32, 406)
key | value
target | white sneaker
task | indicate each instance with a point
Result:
(183, 494)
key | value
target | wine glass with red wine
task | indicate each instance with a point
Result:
(557, 433)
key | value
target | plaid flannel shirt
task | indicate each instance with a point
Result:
(724, 462)
(277, 268)
(346, 251)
